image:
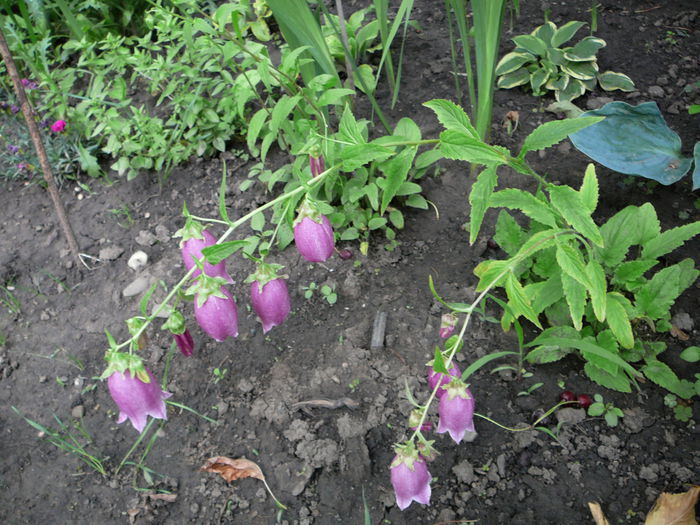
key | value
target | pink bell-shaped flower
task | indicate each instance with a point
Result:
(185, 342)
(456, 410)
(194, 239)
(269, 295)
(447, 325)
(176, 325)
(313, 233)
(138, 395)
(436, 377)
(410, 477)
(214, 308)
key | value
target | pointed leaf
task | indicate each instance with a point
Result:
(519, 301)
(509, 235)
(553, 132)
(531, 44)
(589, 189)
(597, 291)
(610, 81)
(568, 201)
(617, 319)
(396, 171)
(458, 145)
(452, 116)
(513, 61)
(572, 264)
(566, 33)
(669, 240)
(619, 382)
(655, 298)
(526, 202)
(479, 197)
(575, 295)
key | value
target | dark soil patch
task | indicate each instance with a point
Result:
(322, 462)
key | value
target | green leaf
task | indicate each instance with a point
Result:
(218, 252)
(222, 196)
(585, 50)
(553, 132)
(513, 61)
(519, 301)
(597, 291)
(618, 235)
(333, 96)
(417, 201)
(572, 264)
(452, 117)
(545, 32)
(488, 273)
(575, 295)
(541, 241)
(143, 305)
(482, 361)
(406, 128)
(396, 218)
(349, 129)
(396, 171)
(531, 44)
(589, 189)
(356, 155)
(565, 33)
(568, 201)
(691, 354)
(547, 353)
(509, 235)
(545, 293)
(619, 381)
(655, 298)
(618, 320)
(669, 240)
(574, 89)
(350, 234)
(526, 202)
(513, 79)
(661, 374)
(254, 127)
(479, 199)
(438, 363)
(283, 107)
(458, 145)
(376, 222)
(648, 225)
(629, 274)
(610, 81)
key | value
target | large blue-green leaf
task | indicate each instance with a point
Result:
(634, 140)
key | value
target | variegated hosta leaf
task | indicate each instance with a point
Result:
(545, 32)
(610, 81)
(531, 44)
(513, 61)
(537, 80)
(565, 33)
(556, 56)
(580, 70)
(557, 84)
(590, 83)
(584, 50)
(574, 89)
(516, 78)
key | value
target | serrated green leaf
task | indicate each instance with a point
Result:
(629, 274)
(598, 289)
(545, 264)
(572, 263)
(654, 299)
(356, 155)
(458, 145)
(565, 33)
(648, 225)
(669, 240)
(488, 273)
(509, 235)
(553, 132)
(527, 203)
(589, 189)
(519, 300)
(479, 199)
(568, 202)
(540, 241)
(619, 382)
(545, 293)
(618, 320)
(396, 171)
(661, 374)
(348, 128)
(452, 116)
(546, 354)
(575, 295)
(618, 235)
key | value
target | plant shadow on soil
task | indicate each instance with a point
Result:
(320, 461)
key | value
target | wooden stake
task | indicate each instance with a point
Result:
(28, 113)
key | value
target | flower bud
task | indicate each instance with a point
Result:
(58, 126)
(317, 165)
(456, 410)
(410, 477)
(436, 377)
(447, 325)
(185, 342)
(314, 239)
(137, 398)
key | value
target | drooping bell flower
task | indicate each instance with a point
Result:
(214, 308)
(410, 477)
(317, 164)
(134, 389)
(183, 338)
(456, 410)
(269, 295)
(447, 325)
(194, 239)
(313, 233)
(437, 377)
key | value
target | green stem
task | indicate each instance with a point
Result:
(136, 444)
(528, 427)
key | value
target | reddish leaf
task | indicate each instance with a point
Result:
(233, 469)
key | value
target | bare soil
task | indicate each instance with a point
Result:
(327, 464)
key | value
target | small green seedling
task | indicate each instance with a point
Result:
(354, 384)
(219, 374)
(327, 292)
(610, 412)
(530, 390)
(681, 412)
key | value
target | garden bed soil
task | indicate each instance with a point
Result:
(328, 465)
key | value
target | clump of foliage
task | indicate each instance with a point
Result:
(540, 62)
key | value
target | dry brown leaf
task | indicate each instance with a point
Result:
(674, 509)
(233, 469)
(598, 515)
(170, 498)
(678, 333)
